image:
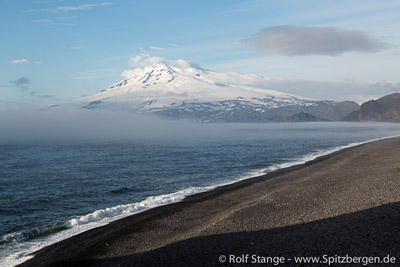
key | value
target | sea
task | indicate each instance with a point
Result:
(51, 191)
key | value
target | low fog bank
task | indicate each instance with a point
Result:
(82, 126)
(74, 125)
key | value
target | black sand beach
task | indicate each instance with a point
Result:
(346, 203)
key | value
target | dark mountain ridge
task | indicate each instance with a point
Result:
(384, 109)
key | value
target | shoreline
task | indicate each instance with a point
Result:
(174, 198)
(89, 240)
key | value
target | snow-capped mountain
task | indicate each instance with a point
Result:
(179, 89)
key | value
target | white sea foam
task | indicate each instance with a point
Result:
(93, 220)
(110, 214)
(105, 216)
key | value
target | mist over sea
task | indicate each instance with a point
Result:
(52, 190)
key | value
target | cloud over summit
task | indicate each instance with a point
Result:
(301, 41)
(147, 60)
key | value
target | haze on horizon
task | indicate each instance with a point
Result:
(55, 51)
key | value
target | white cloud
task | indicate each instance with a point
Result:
(148, 60)
(50, 22)
(300, 41)
(174, 45)
(68, 8)
(130, 73)
(41, 21)
(76, 47)
(137, 59)
(67, 18)
(156, 48)
(145, 59)
(38, 62)
(19, 61)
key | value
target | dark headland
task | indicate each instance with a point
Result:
(346, 203)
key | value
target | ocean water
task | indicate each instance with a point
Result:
(51, 191)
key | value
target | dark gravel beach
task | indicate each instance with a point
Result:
(346, 203)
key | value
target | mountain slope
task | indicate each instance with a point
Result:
(338, 110)
(181, 90)
(302, 117)
(385, 109)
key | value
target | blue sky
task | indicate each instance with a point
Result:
(54, 51)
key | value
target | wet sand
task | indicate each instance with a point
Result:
(346, 203)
